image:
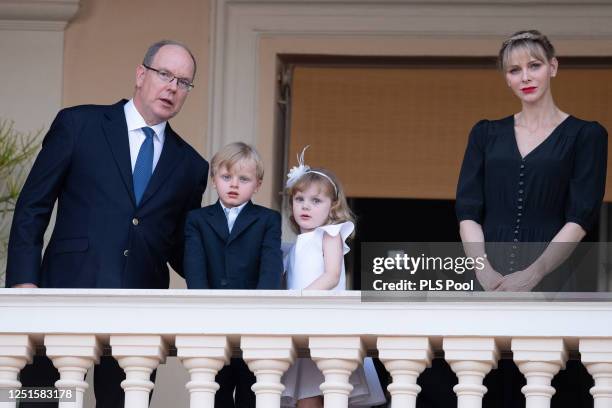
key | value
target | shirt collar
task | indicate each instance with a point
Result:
(233, 209)
(135, 121)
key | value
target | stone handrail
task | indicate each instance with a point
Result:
(272, 327)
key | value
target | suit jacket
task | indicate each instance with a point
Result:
(101, 238)
(248, 258)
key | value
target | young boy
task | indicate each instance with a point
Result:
(234, 244)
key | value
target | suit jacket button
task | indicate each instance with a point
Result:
(135, 221)
(126, 252)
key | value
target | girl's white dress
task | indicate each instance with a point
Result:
(304, 264)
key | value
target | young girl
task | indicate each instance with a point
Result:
(320, 215)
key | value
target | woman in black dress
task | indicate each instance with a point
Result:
(537, 176)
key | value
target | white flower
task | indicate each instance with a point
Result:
(298, 171)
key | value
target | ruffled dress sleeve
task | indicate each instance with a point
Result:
(345, 229)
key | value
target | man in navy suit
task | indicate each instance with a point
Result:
(124, 182)
(234, 244)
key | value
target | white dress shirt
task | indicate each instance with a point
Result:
(231, 214)
(135, 123)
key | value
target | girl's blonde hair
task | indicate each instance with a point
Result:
(534, 42)
(339, 211)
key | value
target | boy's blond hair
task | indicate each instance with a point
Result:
(233, 153)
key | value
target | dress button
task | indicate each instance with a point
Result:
(512, 255)
(520, 207)
(126, 252)
(511, 262)
(519, 214)
(520, 191)
(520, 199)
(511, 269)
(521, 183)
(135, 221)
(522, 174)
(522, 166)
(516, 232)
(515, 240)
(513, 246)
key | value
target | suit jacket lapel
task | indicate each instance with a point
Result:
(247, 216)
(170, 158)
(115, 130)
(215, 217)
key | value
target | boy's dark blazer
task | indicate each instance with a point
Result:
(248, 258)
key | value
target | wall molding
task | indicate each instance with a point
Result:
(36, 15)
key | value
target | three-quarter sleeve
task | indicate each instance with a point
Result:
(470, 188)
(588, 180)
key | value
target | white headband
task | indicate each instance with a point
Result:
(301, 169)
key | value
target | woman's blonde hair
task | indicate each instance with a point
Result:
(339, 211)
(534, 42)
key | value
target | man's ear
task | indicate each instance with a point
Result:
(258, 185)
(140, 73)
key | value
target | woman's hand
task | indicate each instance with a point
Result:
(473, 245)
(559, 249)
(489, 278)
(521, 281)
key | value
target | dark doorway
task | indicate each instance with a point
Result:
(400, 220)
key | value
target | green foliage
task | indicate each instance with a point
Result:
(17, 150)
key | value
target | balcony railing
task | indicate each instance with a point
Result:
(272, 327)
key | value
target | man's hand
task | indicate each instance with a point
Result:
(25, 285)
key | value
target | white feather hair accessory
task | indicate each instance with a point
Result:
(296, 172)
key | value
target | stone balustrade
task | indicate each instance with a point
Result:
(141, 328)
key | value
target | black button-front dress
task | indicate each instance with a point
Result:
(528, 199)
(519, 200)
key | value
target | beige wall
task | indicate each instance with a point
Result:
(107, 39)
(30, 92)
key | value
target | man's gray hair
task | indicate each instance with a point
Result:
(152, 51)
